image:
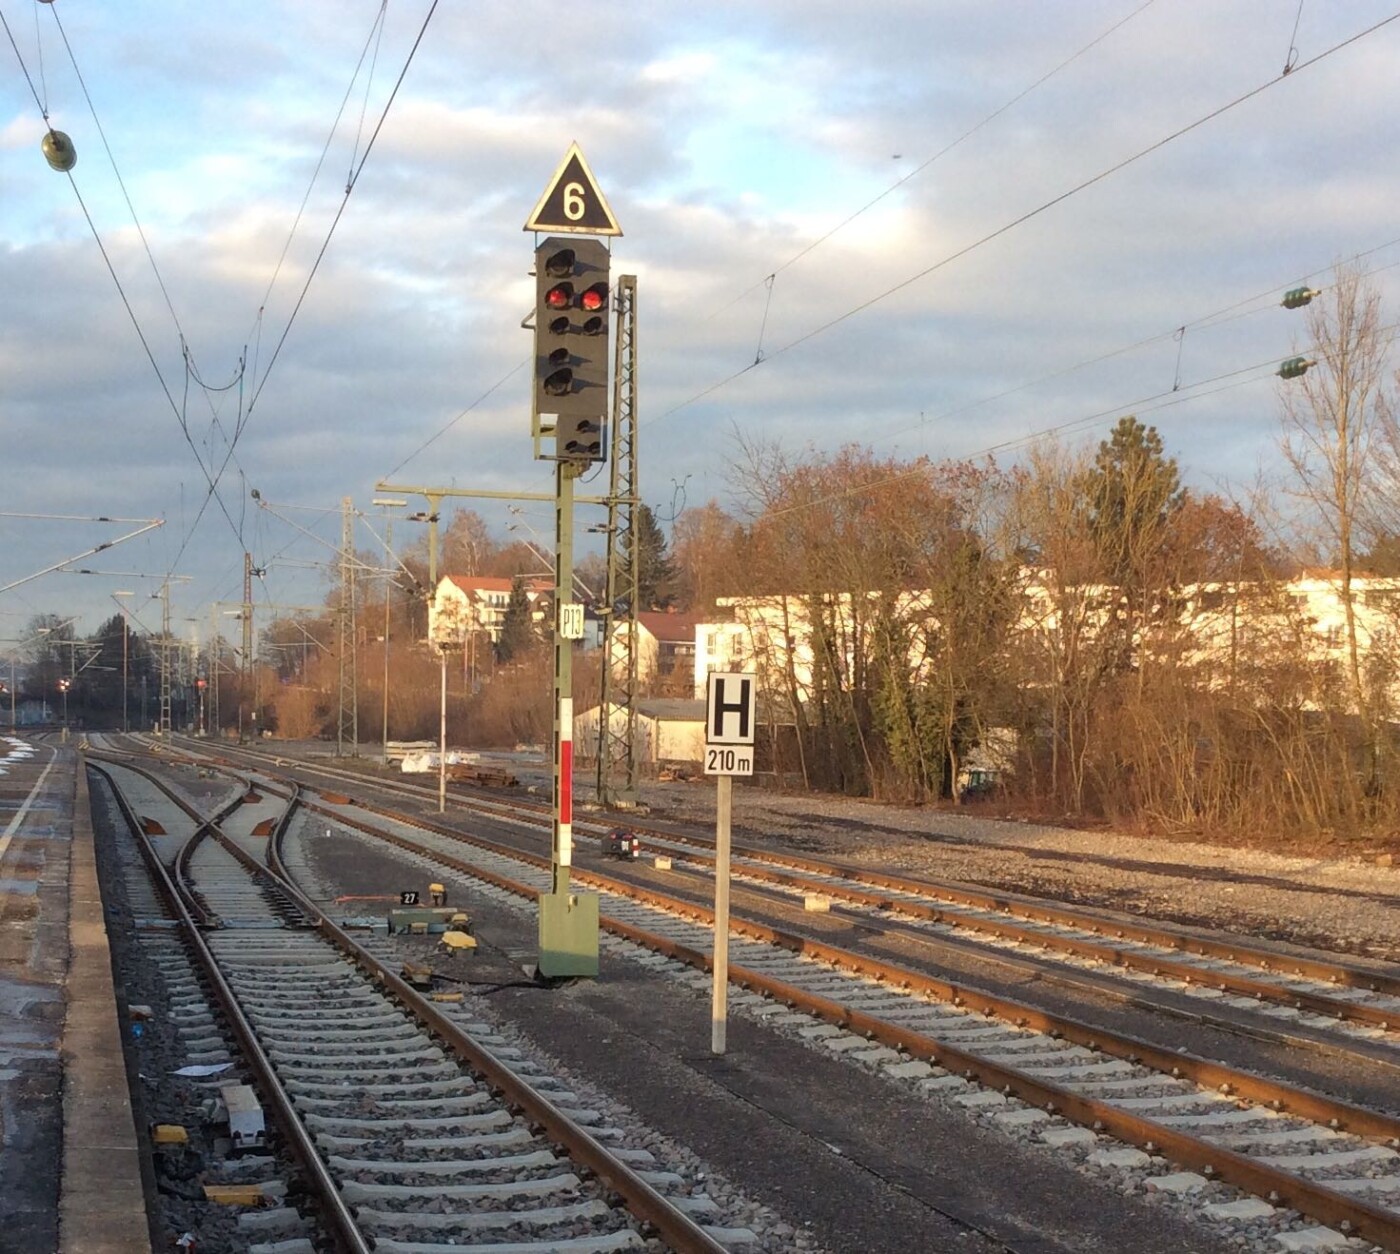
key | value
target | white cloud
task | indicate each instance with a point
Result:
(728, 138)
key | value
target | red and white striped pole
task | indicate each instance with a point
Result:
(564, 826)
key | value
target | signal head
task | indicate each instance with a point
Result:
(572, 363)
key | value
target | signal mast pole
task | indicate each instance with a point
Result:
(569, 415)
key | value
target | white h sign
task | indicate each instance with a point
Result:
(731, 718)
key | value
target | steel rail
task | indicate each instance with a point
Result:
(1225, 981)
(1350, 1214)
(1275, 1094)
(1016, 904)
(644, 1202)
(1159, 966)
(1355, 1216)
(1163, 936)
(339, 1221)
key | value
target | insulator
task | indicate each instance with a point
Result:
(59, 151)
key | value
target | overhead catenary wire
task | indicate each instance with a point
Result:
(121, 182)
(1247, 307)
(187, 354)
(1242, 376)
(919, 169)
(176, 409)
(212, 479)
(255, 333)
(369, 81)
(340, 211)
(39, 53)
(446, 427)
(1028, 216)
(191, 369)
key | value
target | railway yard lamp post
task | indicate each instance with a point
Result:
(126, 634)
(387, 503)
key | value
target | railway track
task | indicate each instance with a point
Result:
(414, 1127)
(1122, 1102)
(1337, 1004)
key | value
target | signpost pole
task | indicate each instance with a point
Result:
(568, 919)
(731, 719)
(719, 1000)
(562, 855)
(442, 735)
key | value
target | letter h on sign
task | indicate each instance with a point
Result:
(730, 708)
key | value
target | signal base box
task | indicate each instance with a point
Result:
(568, 935)
(432, 918)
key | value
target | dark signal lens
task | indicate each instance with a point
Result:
(560, 264)
(560, 383)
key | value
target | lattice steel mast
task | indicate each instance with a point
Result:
(617, 746)
(348, 720)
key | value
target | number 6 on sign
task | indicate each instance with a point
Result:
(573, 202)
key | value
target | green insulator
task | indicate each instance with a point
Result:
(59, 151)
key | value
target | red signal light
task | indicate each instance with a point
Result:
(593, 298)
(560, 296)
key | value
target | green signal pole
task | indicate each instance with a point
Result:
(571, 384)
(568, 920)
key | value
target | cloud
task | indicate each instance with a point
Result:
(728, 139)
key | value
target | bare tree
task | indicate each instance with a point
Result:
(1334, 420)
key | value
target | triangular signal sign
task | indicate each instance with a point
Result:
(572, 201)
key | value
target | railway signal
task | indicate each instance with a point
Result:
(571, 344)
(570, 402)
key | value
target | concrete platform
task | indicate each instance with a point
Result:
(70, 1176)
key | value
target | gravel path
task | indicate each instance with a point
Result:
(1328, 902)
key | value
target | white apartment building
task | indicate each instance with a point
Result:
(770, 634)
(465, 604)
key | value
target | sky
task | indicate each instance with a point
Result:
(929, 227)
